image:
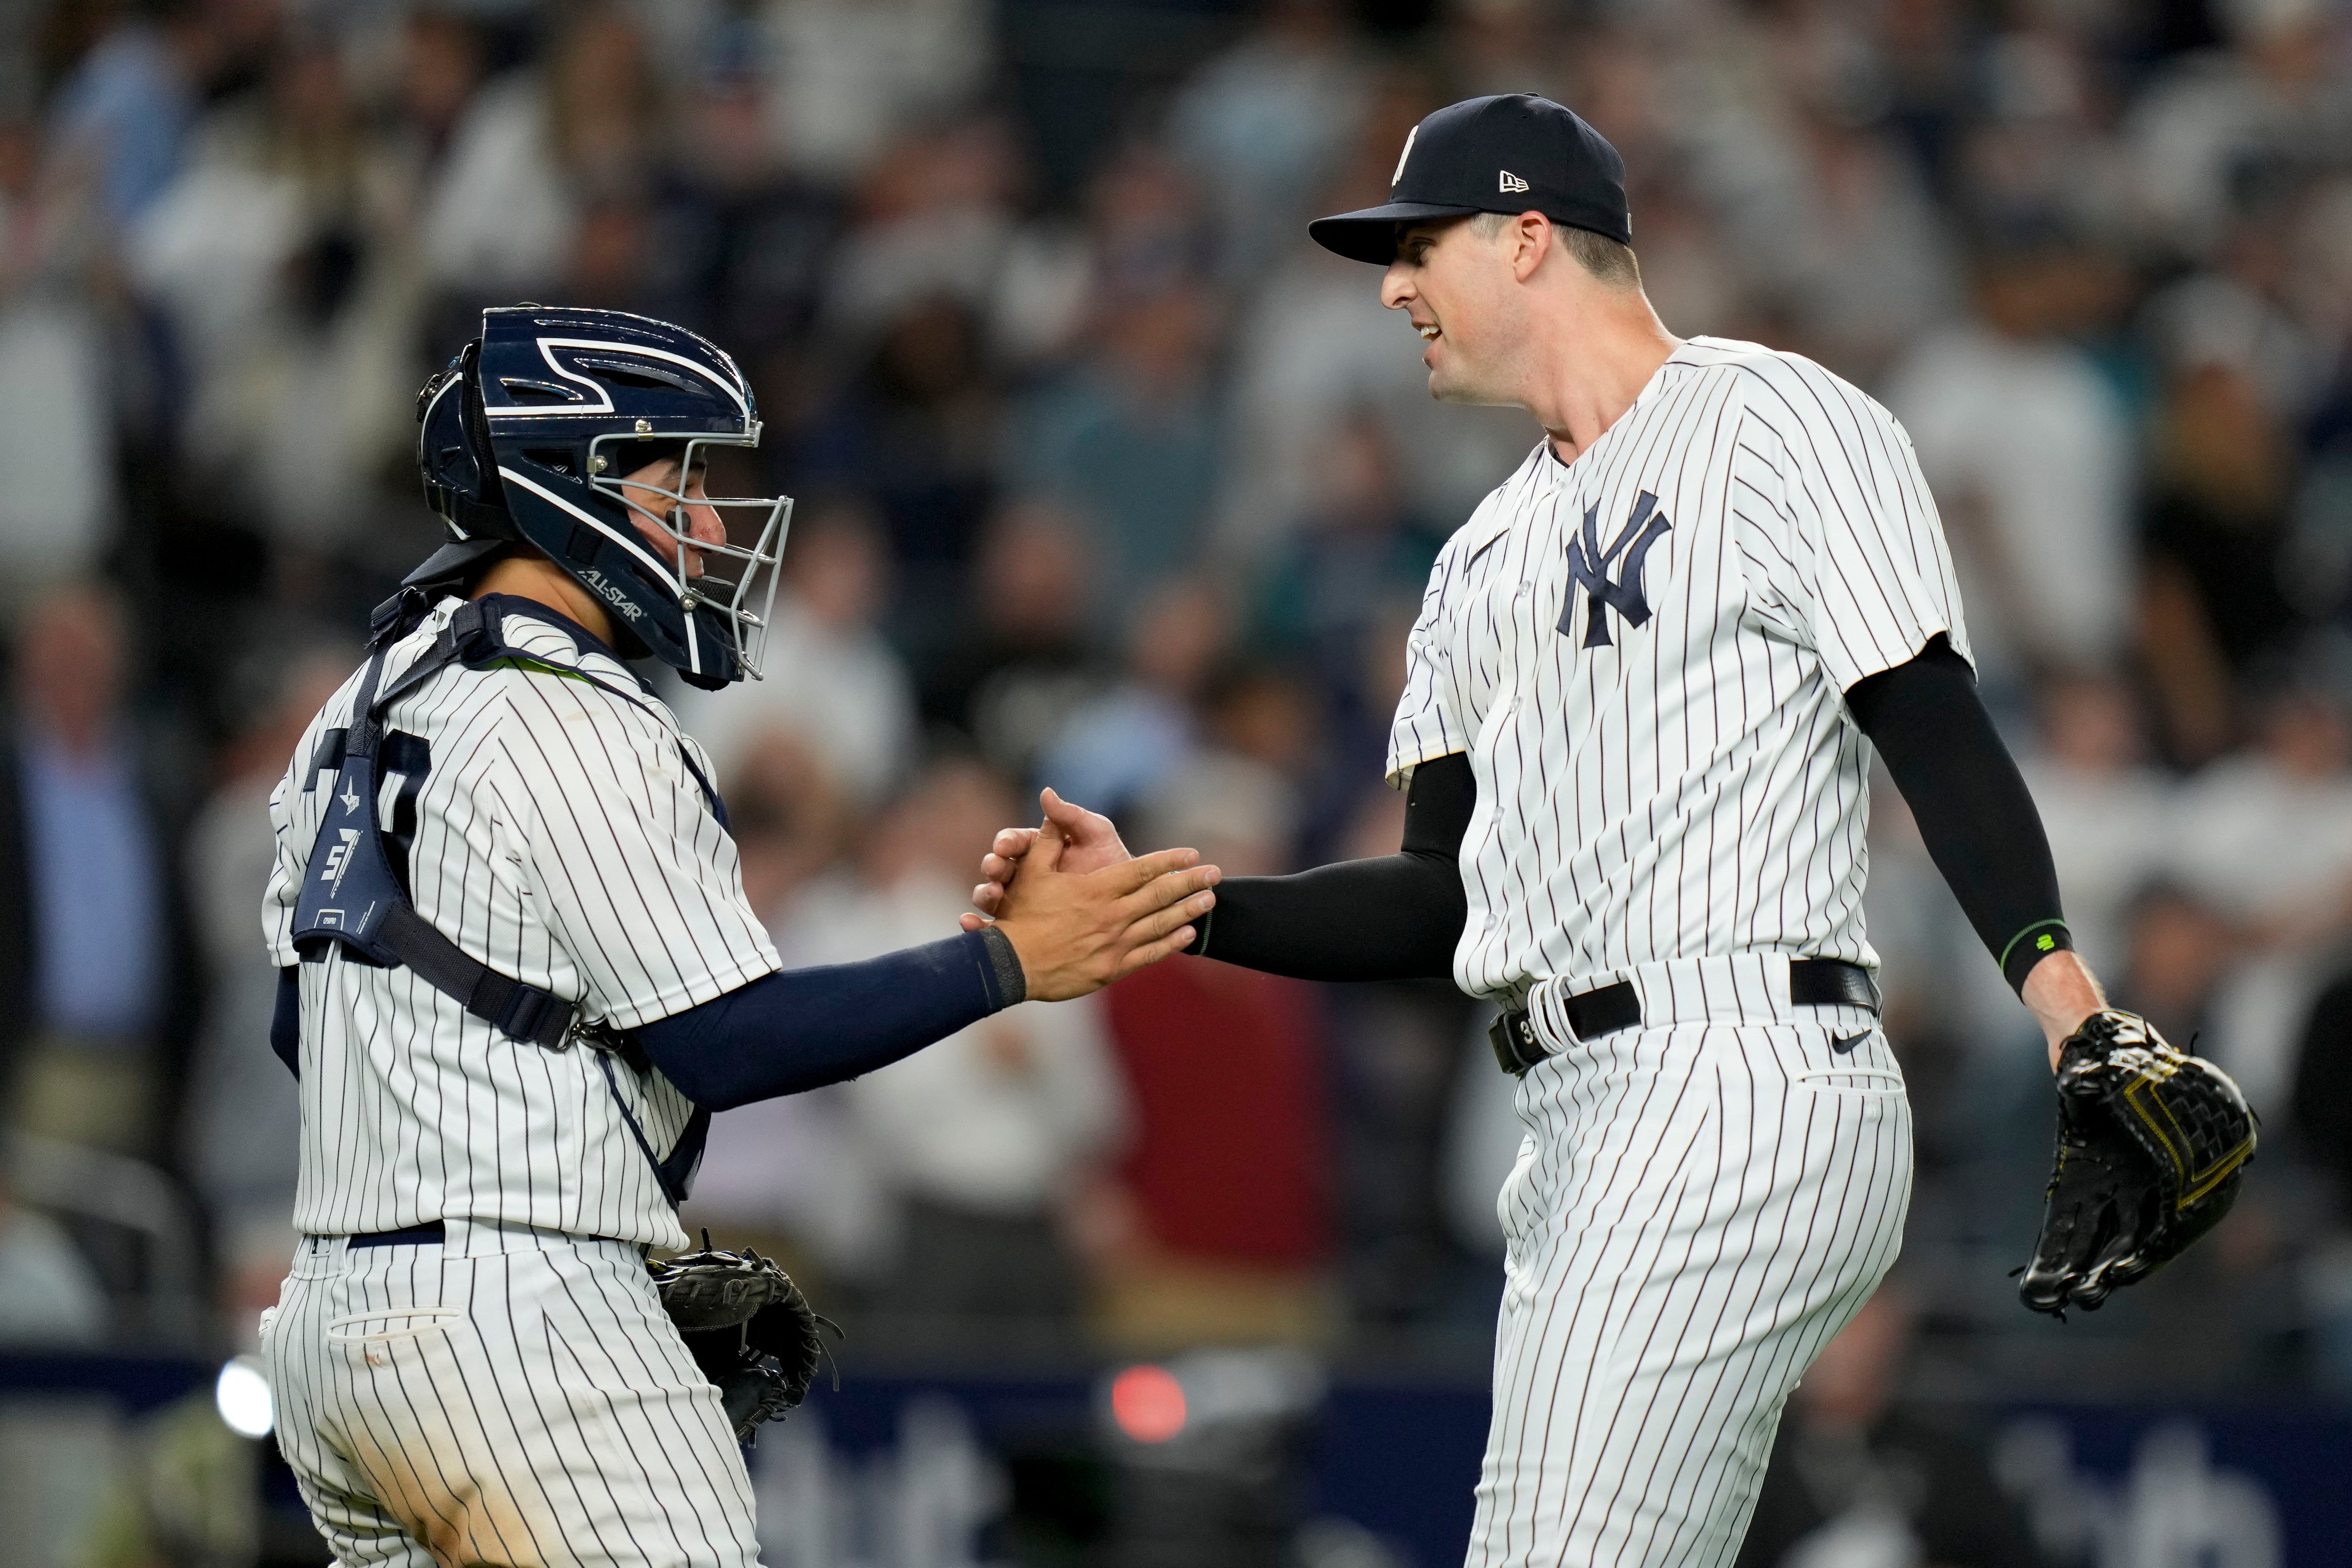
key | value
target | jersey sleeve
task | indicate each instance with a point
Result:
(285, 867)
(294, 828)
(1428, 716)
(622, 856)
(1836, 527)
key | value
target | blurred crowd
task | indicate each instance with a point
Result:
(1107, 479)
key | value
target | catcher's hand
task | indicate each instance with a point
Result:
(2151, 1143)
(751, 1330)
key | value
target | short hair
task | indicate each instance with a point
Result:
(1603, 259)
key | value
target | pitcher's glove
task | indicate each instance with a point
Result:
(2151, 1143)
(750, 1329)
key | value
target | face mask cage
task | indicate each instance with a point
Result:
(737, 579)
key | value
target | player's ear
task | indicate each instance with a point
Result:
(1531, 240)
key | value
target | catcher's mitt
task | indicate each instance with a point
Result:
(2151, 1145)
(750, 1329)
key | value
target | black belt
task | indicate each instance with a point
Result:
(1812, 983)
(432, 1233)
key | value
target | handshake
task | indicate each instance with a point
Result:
(1082, 911)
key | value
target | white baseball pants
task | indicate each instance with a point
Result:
(1698, 1205)
(512, 1396)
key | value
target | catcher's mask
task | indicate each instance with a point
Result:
(527, 435)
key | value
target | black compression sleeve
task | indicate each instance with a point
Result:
(1980, 822)
(801, 1028)
(1394, 917)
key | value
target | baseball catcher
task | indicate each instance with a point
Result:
(518, 975)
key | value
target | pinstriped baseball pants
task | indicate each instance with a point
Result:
(512, 1396)
(1696, 1208)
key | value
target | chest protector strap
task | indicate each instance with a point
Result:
(351, 896)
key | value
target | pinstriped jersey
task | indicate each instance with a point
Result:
(1644, 652)
(552, 830)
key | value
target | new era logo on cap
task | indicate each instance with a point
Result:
(1507, 153)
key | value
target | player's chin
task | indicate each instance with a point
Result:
(1448, 384)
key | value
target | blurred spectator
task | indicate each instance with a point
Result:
(919, 425)
(2264, 839)
(440, 65)
(850, 73)
(2177, 950)
(1857, 1478)
(280, 260)
(1130, 438)
(938, 214)
(751, 241)
(1217, 1226)
(2266, 836)
(2030, 460)
(2322, 1101)
(1358, 552)
(58, 440)
(1502, 46)
(2043, 139)
(241, 1131)
(826, 672)
(788, 814)
(119, 119)
(1833, 208)
(93, 964)
(983, 1137)
(1128, 740)
(49, 1296)
(2214, 521)
(2277, 95)
(2107, 811)
(1130, 442)
(532, 146)
(1020, 659)
(59, 435)
(1266, 123)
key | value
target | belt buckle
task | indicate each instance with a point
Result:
(1513, 1036)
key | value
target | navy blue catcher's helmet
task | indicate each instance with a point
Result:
(526, 437)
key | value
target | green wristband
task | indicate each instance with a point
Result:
(2046, 937)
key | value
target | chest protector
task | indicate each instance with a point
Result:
(352, 898)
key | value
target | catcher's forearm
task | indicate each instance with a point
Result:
(1974, 811)
(802, 1029)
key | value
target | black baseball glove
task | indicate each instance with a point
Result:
(2151, 1145)
(750, 1329)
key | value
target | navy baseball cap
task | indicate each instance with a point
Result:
(1512, 153)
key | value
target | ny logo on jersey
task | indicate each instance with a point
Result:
(1588, 563)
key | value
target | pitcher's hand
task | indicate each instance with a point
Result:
(1089, 843)
(1076, 932)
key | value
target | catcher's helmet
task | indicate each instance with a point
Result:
(526, 435)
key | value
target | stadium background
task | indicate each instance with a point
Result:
(1107, 478)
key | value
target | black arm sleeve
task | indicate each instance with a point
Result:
(1394, 917)
(801, 1028)
(1980, 822)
